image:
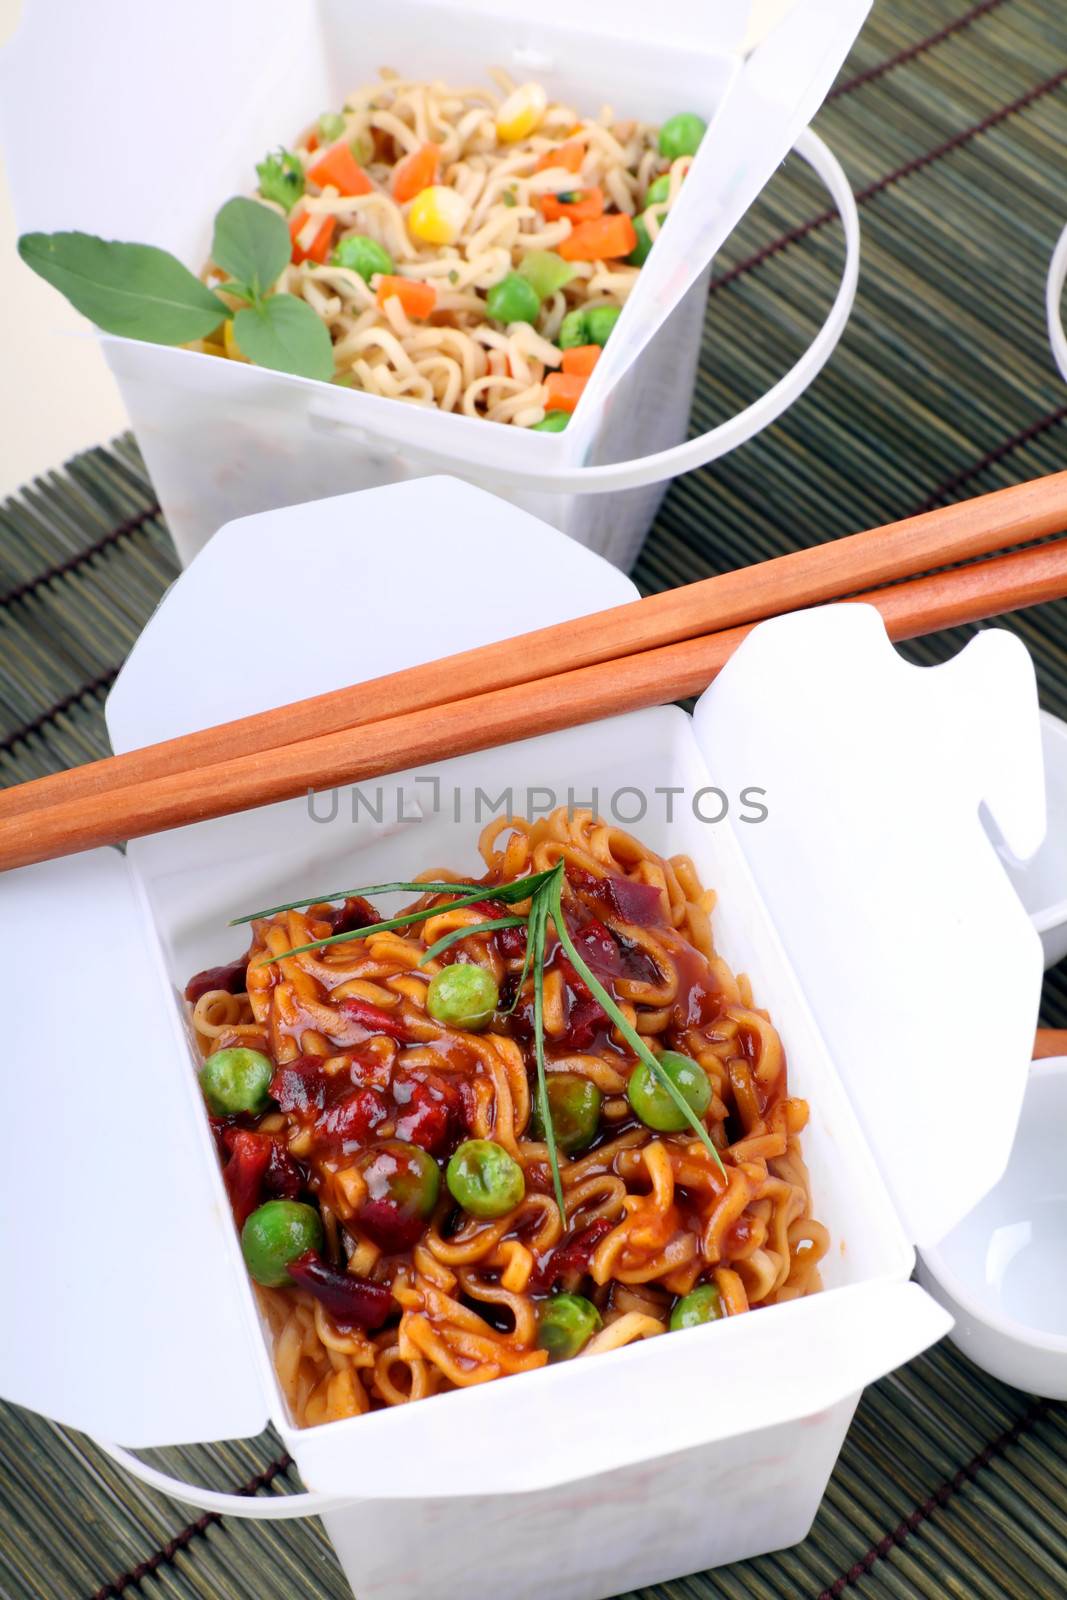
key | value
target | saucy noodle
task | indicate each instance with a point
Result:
(655, 1228)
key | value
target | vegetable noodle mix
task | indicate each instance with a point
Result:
(401, 1108)
(468, 249)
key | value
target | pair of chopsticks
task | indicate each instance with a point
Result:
(642, 653)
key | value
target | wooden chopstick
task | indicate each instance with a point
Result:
(734, 599)
(498, 716)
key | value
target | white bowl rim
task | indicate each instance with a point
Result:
(1005, 1327)
(1052, 916)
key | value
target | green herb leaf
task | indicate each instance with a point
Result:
(284, 334)
(281, 179)
(351, 894)
(539, 914)
(632, 1037)
(129, 289)
(240, 291)
(447, 940)
(251, 243)
(520, 889)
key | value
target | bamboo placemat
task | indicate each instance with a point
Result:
(951, 123)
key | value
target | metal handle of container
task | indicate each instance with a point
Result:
(1057, 275)
(726, 436)
(277, 1508)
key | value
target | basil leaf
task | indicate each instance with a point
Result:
(130, 289)
(285, 334)
(251, 243)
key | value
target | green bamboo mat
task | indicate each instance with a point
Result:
(951, 123)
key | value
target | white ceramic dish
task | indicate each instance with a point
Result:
(1057, 275)
(1041, 882)
(1002, 1273)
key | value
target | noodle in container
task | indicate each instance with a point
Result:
(868, 910)
(170, 125)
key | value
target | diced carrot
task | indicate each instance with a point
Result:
(563, 390)
(580, 359)
(569, 155)
(601, 240)
(339, 167)
(313, 142)
(587, 205)
(417, 299)
(319, 248)
(415, 172)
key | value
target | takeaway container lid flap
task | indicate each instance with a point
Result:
(875, 773)
(136, 1334)
(777, 91)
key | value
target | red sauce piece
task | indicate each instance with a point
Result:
(433, 1111)
(352, 1302)
(351, 1120)
(354, 913)
(300, 1086)
(600, 950)
(284, 1178)
(511, 942)
(375, 1019)
(259, 1167)
(230, 977)
(573, 1254)
(245, 1171)
(637, 903)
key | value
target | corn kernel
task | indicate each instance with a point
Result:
(521, 113)
(437, 215)
(229, 342)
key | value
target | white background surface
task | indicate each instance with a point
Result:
(58, 396)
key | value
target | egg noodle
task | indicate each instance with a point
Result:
(512, 176)
(650, 1215)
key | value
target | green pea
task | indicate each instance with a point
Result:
(681, 135)
(565, 1325)
(552, 422)
(463, 996)
(639, 254)
(659, 191)
(702, 1304)
(484, 1179)
(572, 331)
(599, 321)
(403, 1182)
(362, 146)
(365, 256)
(513, 299)
(236, 1080)
(574, 1104)
(545, 272)
(654, 1104)
(274, 1235)
(331, 125)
